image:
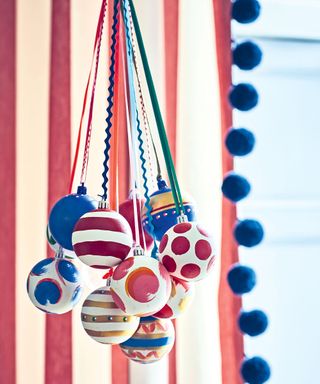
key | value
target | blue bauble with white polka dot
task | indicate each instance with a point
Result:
(54, 285)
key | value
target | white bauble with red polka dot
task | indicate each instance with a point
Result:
(186, 250)
(140, 286)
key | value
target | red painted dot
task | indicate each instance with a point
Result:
(182, 227)
(123, 268)
(163, 243)
(169, 263)
(203, 249)
(190, 271)
(211, 263)
(180, 245)
(202, 231)
(164, 313)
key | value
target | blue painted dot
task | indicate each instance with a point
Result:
(40, 268)
(68, 271)
(47, 292)
(76, 295)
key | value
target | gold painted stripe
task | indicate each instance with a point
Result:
(92, 333)
(150, 336)
(158, 349)
(99, 304)
(105, 319)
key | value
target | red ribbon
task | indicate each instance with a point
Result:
(96, 55)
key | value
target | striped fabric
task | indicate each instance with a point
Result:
(45, 55)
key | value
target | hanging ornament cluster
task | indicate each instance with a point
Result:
(150, 247)
(249, 232)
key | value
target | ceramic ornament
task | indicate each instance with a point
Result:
(104, 321)
(140, 285)
(151, 342)
(102, 238)
(54, 285)
(180, 299)
(56, 247)
(186, 251)
(163, 213)
(66, 212)
(126, 209)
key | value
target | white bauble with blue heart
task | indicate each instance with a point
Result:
(54, 285)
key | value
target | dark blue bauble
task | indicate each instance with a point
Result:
(235, 187)
(164, 215)
(255, 370)
(247, 55)
(253, 323)
(246, 11)
(243, 97)
(241, 279)
(248, 233)
(65, 214)
(240, 142)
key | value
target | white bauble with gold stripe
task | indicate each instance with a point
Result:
(104, 321)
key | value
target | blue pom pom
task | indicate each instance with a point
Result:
(241, 279)
(248, 233)
(247, 55)
(240, 142)
(253, 323)
(255, 370)
(65, 214)
(235, 187)
(246, 11)
(243, 97)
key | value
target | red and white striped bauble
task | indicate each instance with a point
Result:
(182, 293)
(186, 250)
(102, 238)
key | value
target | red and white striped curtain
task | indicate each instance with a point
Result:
(45, 53)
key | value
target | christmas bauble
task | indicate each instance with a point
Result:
(66, 212)
(163, 212)
(102, 238)
(126, 209)
(186, 250)
(54, 285)
(180, 299)
(55, 246)
(104, 321)
(140, 285)
(153, 340)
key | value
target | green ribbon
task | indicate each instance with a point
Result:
(158, 117)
